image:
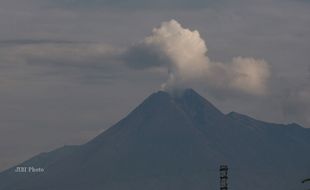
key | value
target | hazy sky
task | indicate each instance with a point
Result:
(64, 79)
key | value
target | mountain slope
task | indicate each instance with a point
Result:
(175, 142)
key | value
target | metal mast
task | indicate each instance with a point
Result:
(223, 177)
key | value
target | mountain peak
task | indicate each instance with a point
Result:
(194, 101)
(178, 93)
(186, 97)
(187, 102)
(173, 142)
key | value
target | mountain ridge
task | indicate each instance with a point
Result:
(171, 142)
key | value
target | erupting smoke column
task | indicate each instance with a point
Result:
(184, 50)
(184, 53)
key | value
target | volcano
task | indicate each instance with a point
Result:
(174, 142)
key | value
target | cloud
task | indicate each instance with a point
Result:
(55, 52)
(249, 74)
(181, 51)
(172, 47)
(243, 74)
(184, 54)
(28, 61)
(134, 4)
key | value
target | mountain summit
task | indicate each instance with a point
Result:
(174, 142)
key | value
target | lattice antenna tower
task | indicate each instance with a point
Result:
(223, 177)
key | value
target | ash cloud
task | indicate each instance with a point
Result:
(184, 54)
(177, 50)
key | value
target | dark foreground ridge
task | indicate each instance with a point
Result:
(174, 143)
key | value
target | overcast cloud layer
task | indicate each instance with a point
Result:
(70, 69)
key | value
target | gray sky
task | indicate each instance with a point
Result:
(62, 81)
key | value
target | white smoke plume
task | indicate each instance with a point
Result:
(184, 53)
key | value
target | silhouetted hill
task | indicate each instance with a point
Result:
(175, 142)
